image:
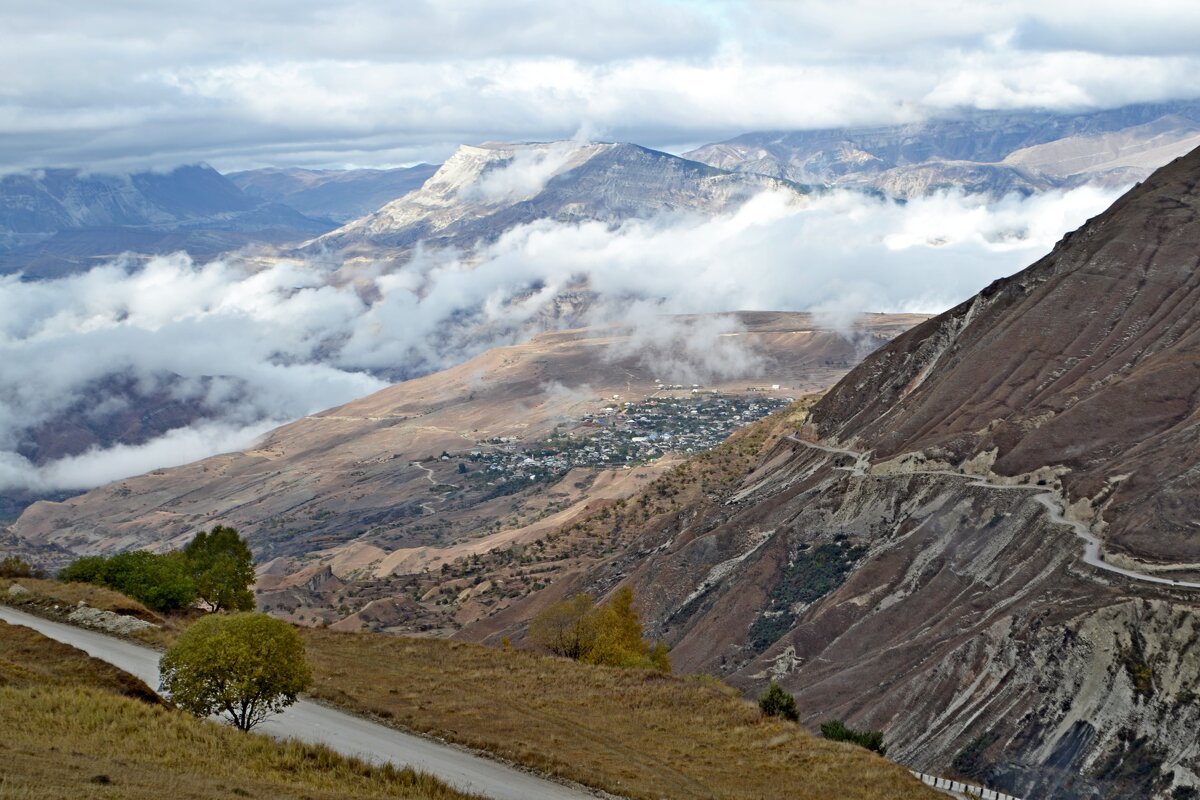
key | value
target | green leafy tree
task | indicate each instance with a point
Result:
(223, 569)
(243, 667)
(89, 569)
(778, 702)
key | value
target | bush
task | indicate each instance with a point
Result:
(17, 567)
(872, 740)
(161, 581)
(778, 702)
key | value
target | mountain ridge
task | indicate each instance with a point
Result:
(923, 588)
(989, 152)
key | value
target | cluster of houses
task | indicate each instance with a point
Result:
(622, 434)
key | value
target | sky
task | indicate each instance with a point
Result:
(127, 84)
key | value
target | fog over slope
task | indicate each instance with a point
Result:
(250, 344)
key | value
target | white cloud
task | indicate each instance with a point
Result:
(252, 344)
(251, 83)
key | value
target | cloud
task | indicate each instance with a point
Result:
(523, 175)
(684, 349)
(377, 83)
(248, 344)
(98, 466)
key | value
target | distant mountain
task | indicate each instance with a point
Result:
(57, 221)
(339, 195)
(991, 152)
(483, 191)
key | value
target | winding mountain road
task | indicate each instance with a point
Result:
(1092, 554)
(309, 722)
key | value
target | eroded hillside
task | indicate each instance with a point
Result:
(908, 555)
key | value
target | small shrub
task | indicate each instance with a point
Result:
(778, 702)
(835, 730)
(17, 567)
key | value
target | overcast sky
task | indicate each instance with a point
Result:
(241, 83)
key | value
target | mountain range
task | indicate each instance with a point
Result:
(483, 191)
(57, 221)
(988, 152)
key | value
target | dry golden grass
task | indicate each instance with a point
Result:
(75, 742)
(28, 659)
(631, 732)
(71, 594)
(55, 600)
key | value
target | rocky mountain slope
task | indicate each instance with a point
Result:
(339, 195)
(482, 191)
(910, 554)
(418, 476)
(56, 221)
(992, 152)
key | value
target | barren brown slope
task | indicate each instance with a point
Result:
(900, 592)
(1087, 360)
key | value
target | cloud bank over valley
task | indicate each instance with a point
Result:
(244, 345)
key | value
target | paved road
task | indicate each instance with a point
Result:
(345, 733)
(1091, 544)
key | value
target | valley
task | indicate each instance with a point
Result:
(429, 505)
(642, 401)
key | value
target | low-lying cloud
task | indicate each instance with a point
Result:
(250, 345)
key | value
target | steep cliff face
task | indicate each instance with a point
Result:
(1087, 362)
(980, 540)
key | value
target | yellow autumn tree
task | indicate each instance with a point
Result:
(610, 635)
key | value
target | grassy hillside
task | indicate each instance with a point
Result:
(635, 733)
(71, 729)
(30, 660)
(631, 732)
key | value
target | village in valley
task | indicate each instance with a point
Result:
(677, 419)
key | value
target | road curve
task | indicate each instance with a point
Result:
(1091, 543)
(309, 722)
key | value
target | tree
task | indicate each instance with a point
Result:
(608, 635)
(777, 702)
(17, 567)
(244, 667)
(223, 569)
(618, 640)
(566, 628)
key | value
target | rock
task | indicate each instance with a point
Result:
(17, 591)
(90, 617)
